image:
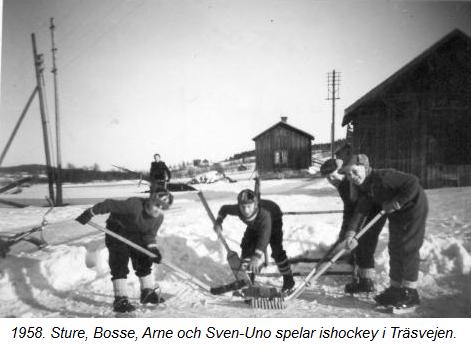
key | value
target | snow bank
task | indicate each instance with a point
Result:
(65, 267)
(442, 257)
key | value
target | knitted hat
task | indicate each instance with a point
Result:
(330, 166)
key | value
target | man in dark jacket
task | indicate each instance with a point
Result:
(264, 226)
(159, 175)
(363, 255)
(138, 220)
(403, 199)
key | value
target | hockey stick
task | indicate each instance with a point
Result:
(317, 272)
(183, 274)
(232, 256)
(294, 213)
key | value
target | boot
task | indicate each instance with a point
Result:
(409, 297)
(288, 283)
(121, 305)
(360, 285)
(388, 297)
(150, 296)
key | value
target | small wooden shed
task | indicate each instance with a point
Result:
(282, 147)
(419, 119)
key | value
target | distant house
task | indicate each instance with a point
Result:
(419, 119)
(281, 147)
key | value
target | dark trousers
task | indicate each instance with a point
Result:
(250, 239)
(364, 254)
(118, 260)
(406, 236)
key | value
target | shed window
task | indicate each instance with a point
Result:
(281, 157)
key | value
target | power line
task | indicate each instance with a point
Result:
(104, 33)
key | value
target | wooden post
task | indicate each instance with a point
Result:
(56, 109)
(38, 65)
(18, 123)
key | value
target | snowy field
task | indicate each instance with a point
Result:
(70, 277)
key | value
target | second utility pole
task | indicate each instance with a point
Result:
(56, 108)
(39, 66)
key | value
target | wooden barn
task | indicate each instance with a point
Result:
(419, 119)
(282, 147)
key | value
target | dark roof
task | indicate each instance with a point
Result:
(456, 33)
(287, 126)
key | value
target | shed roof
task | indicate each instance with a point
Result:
(287, 126)
(368, 97)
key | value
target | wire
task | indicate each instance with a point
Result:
(104, 33)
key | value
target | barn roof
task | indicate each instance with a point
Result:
(379, 89)
(287, 126)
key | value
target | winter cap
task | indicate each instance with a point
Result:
(355, 159)
(330, 166)
(246, 196)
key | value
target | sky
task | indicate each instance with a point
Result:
(196, 79)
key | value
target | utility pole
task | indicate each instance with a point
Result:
(56, 109)
(39, 67)
(333, 84)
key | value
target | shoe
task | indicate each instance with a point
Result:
(288, 283)
(409, 297)
(149, 295)
(388, 297)
(360, 285)
(121, 305)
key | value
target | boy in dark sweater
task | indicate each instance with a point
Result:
(403, 199)
(363, 255)
(138, 220)
(159, 175)
(264, 226)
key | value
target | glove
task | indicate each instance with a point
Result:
(255, 264)
(4, 248)
(158, 256)
(350, 242)
(85, 217)
(391, 206)
(217, 228)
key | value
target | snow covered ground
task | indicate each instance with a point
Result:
(70, 277)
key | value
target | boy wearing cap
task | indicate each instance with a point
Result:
(138, 220)
(363, 255)
(264, 226)
(403, 199)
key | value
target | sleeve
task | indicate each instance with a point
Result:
(264, 234)
(114, 206)
(231, 210)
(406, 186)
(167, 171)
(348, 210)
(149, 237)
(360, 213)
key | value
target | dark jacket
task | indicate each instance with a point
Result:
(269, 214)
(129, 219)
(348, 204)
(159, 171)
(386, 185)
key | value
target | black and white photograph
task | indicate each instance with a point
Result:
(235, 159)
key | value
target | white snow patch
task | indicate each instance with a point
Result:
(65, 267)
